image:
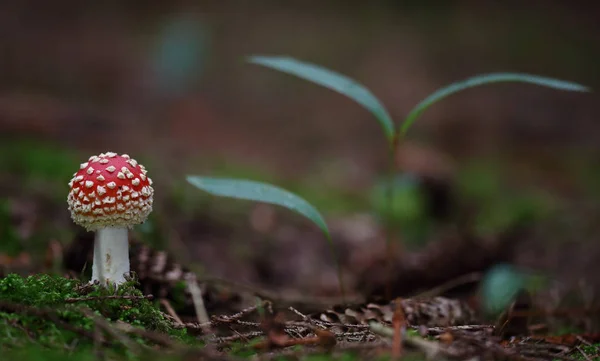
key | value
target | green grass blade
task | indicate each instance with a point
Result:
(259, 192)
(482, 80)
(334, 81)
(266, 193)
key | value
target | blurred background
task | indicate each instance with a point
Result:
(167, 83)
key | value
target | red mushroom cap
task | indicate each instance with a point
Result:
(110, 190)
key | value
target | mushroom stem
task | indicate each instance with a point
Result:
(111, 255)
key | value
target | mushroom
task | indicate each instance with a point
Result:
(108, 195)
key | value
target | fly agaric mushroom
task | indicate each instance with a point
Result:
(108, 195)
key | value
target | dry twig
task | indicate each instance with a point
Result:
(198, 300)
(399, 323)
(113, 331)
(110, 297)
(167, 305)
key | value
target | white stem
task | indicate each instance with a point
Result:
(111, 255)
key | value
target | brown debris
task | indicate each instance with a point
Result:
(515, 320)
(453, 256)
(399, 326)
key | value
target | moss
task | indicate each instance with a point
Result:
(37, 309)
(37, 352)
(591, 351)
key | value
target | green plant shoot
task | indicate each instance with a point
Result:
(334, 81)
(363, 96)
(482, 80)
(266, 193)
(352, 89)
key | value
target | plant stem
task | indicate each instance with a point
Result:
(338, 265)
(389, 203)
(111, 256)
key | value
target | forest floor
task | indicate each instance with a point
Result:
(269, 283)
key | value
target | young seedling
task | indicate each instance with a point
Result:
(108, 195)
(262, 192)
(363, 96)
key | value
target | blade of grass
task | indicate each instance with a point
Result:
(334, 81)
(266, 193)
(482, 80)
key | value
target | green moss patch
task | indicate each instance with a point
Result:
(56, 313)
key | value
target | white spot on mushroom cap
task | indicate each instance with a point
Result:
(89, 184)
(109, 200)
(111, 168)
